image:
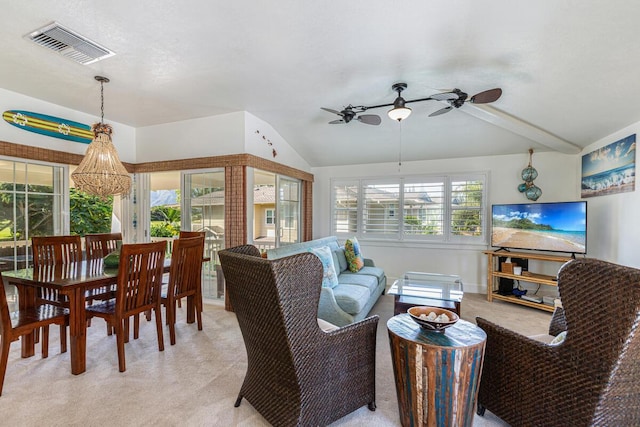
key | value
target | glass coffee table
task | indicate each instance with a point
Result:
(431, 289)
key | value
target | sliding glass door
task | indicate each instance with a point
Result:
(288, 210)
(202, 208)
(276, 209)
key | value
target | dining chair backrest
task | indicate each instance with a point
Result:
(27, 321)
(54, 250)
(99, 245)
(188, 234)
(5, 314)
(186, 266)
(139, 277)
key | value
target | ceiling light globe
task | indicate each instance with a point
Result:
(399, 113)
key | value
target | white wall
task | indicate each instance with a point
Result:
(207, 136)
(225, 134)
(123, 136)
(232, 133)
(258, 135)
(613, 227)
(557, 179)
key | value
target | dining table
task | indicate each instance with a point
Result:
(72, 280)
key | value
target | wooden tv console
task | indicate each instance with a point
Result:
(494, 274)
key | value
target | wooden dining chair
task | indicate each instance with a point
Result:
(25, 322)
(185, 235)
(189, 234)
(63, 252)
(99, 245)
(185, 277)
(138, 290)
(52, 250)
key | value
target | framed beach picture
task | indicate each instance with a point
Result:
(610, 169)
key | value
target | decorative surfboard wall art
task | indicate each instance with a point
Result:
(49, 125)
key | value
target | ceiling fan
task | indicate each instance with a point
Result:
(455, 98)
(350, 112)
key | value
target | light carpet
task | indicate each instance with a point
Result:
(195, 382)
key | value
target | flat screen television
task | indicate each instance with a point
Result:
(554, 227)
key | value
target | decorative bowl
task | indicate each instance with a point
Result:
(112, 260)
(435, 325)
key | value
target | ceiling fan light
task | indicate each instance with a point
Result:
(399, 113)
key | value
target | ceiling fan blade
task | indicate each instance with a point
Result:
(337, 122)
(487, 96)
(369, 119)
(331, 111)
(445, 96)
(441, 111)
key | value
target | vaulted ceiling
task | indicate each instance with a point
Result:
(568, 69)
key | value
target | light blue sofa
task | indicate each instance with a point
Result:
(356, 293)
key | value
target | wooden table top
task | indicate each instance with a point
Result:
(462, 334)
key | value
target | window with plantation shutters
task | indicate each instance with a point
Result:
(423, 208)
(380, 203)
(467, 207)
(443, 208)
(344, 197)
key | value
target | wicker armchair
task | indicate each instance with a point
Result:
(590, 379)
(297, 374)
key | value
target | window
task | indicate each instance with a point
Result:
(269, 215)
(444, 208)
(379, 200)
(32, 203)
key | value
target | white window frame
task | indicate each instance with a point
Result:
(273, 216)
(447, 237)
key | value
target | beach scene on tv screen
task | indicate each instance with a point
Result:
(558, 227)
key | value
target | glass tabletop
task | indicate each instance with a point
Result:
(444, 287)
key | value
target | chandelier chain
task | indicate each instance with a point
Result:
(101, 102)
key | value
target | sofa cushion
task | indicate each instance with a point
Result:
(351, 298)
(329, 275)
(340, 260)
(353, 254)
(368, 282)
(376, 272)
(327, 326)
(559, 339)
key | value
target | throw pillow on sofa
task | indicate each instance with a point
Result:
(353, 254)
(329, 275)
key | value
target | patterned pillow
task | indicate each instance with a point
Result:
(559, 339)
(329, 276)
(353, 254)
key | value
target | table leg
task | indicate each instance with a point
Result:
(78, 331)
(27, 300)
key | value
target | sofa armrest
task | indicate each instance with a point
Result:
(368, 262)
(329, 310)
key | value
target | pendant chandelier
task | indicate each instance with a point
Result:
(101, 173)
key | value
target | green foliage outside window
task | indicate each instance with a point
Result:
(89, 214)
(164, 229)
(40, 208)
(165, 221)
(465, 218)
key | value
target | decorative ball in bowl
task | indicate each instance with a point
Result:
(433, 319)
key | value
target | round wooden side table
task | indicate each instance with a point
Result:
(437, 374)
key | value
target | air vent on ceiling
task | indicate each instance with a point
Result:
(68, 43)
